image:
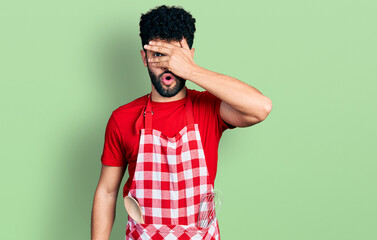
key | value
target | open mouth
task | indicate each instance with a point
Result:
(167, 78)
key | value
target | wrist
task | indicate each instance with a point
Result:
(194, 73)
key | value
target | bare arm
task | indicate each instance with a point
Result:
(104, 202)
(242, 105)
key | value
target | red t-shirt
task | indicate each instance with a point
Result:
(122, 140)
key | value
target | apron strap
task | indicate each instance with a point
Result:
(148, 114)
(189, 111)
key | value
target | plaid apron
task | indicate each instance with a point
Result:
(170, 179)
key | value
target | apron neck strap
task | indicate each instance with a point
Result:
(148, 111)
(189, 111)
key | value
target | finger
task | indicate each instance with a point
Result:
(184, 44)
(162, 44)
(158, 59)
(160, 64)
(158, 49)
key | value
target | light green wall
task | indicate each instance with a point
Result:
(307, 172)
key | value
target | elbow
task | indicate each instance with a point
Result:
(253, 117)
(266, 108)
(104, 191)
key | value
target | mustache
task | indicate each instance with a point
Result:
(166, 72)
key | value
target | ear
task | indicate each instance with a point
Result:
(192, 52)
(144, 57)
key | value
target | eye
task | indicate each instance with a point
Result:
(158, 54)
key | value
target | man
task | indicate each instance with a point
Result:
(169, 138)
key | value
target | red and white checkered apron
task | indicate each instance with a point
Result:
(170, 179)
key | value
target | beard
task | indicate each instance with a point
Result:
(166, 92)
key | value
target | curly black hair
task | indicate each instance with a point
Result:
(167, 23)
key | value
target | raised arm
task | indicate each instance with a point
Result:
(242, 105)
(104, 202)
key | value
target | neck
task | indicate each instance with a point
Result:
(156, 97)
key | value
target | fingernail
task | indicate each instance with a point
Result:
(150, 42)
(145, 46)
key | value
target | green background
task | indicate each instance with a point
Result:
(307, 172)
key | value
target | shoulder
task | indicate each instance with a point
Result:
(203, 98)
(204, 102)
(209, 107)
(201, 95)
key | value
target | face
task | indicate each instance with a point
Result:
(165, 82)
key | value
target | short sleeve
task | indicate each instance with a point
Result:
(215, 103)
(113, 153)
(222, 124)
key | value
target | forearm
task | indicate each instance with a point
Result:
(242, 105)
(239, 95)
(103, 215)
